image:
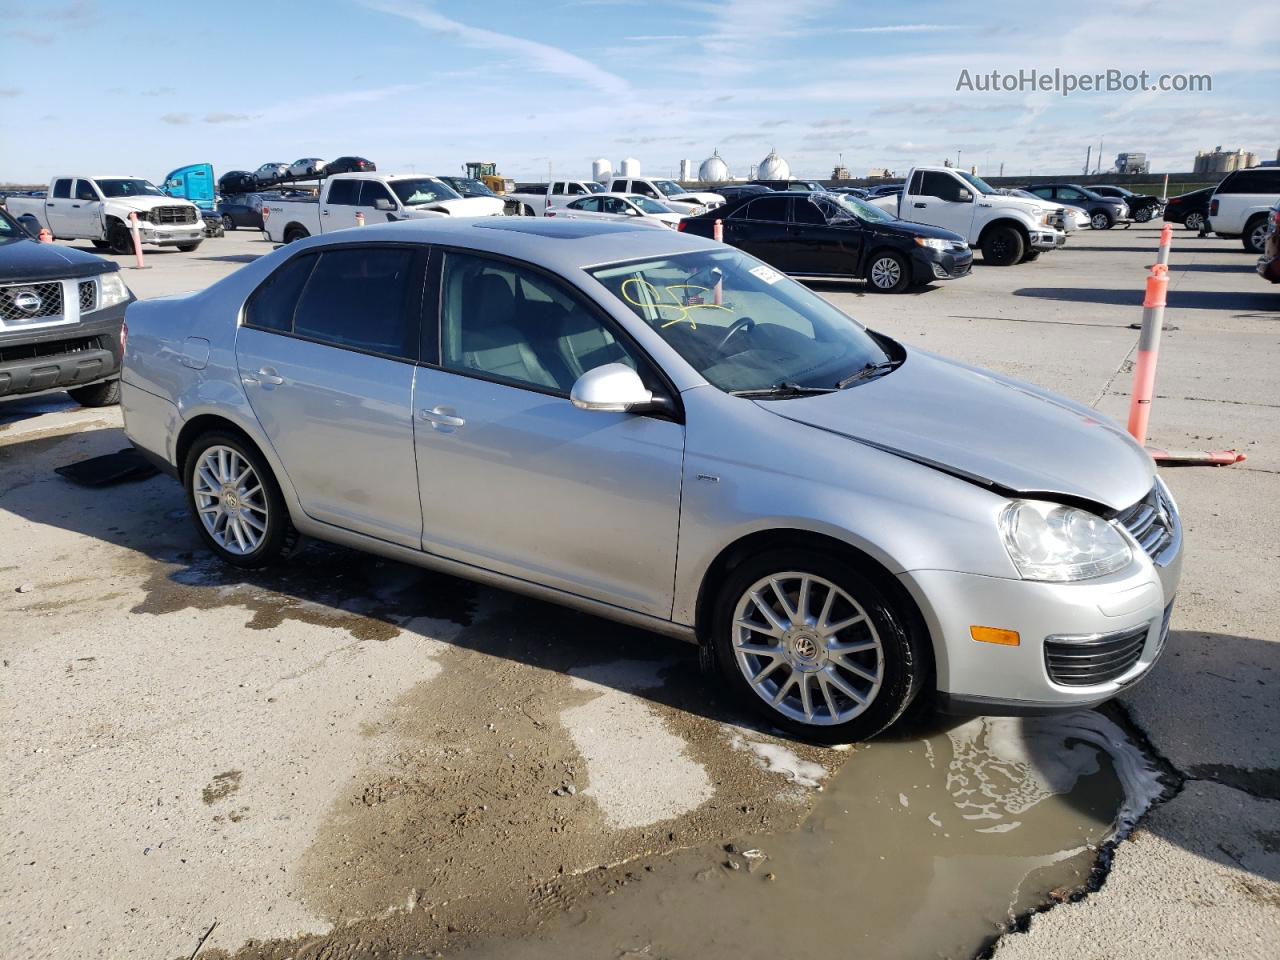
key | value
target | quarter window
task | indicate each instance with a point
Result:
(510, 323)
(361, 298)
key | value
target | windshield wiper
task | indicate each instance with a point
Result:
(780, 390)
(870, 370)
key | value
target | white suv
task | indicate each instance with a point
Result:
(1239, 206)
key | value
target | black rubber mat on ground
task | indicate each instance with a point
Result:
(119, 467)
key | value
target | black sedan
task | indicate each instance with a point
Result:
(736, 191)
(349, 165)
(828, 235)
(1190, 209)
(1142, 206)
(236, 181)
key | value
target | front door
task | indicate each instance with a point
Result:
(937, 198)
(821, 247)
(327, 354)
(86, 211)
(760, 229)
(515, 478)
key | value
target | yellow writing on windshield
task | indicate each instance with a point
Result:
(674, 302)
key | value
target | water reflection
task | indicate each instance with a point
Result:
(921, 848)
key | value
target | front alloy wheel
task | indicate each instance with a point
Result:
(888, 273)
(1101, 220)
(815, 647)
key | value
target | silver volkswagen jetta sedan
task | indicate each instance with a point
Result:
(657, 428)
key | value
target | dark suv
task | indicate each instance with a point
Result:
(61, 311)
(1104, 212)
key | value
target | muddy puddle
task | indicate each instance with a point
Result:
(925, 847)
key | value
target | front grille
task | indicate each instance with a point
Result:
(49, 348)
(1089, 660)
(88, 295)
(23, 302)
(173, 215)
(1151, 522)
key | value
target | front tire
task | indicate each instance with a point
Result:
(120, 239)
(1194, 221)
(188, 247)
(1031, 255)
(1254, 237)
(235, 502)
(100, 244)
(815, 647)
(1101, 220)
(888, 272)
(1002, 247)
(102, 394)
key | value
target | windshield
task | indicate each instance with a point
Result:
(741, 324)
(852, 206)
(470, 188)
(8, 227)
(648, 205)
(422, 190)
(977, 182)
(128, 188)
(669, 187)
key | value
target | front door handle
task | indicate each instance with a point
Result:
(269, 378)
(921, 206)
(441, 418)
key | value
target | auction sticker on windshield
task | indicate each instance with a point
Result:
(767, 274)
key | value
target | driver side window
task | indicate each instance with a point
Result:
(85, 191)
(941, 185)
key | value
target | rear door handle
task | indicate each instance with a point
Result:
(441, 418)
(269, 378)
(921, 206)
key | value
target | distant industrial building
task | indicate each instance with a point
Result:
(1218, 160)
(879, 173)
(1132, 163)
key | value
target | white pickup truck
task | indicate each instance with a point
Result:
(668, 192)
(534, 198)
(98, 208)
(379, 197)
(1239, 205)
(1006, 229)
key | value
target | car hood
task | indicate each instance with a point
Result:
(463, 207)
(986, 428)
(147, 203)
(695, 197)
(907, 228)
(23, 259)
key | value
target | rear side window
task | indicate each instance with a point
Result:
(272, 305)
(361, 298)
(342, 193)
(62, 189)
(1265, 181)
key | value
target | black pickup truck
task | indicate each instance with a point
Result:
(61, 312)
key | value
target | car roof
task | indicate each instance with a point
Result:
(560, 245)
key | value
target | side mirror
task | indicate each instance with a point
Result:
(382, 203)
(964, 196)
(612, 388)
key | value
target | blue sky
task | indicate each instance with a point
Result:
(114, 86)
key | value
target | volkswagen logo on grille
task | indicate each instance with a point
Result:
(28, 301)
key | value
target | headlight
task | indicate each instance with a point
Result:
(933, 243)
(111, 290)
(1048, 541)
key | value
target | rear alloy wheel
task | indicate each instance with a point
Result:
(238, 508)
(1101, 220)
(888, 272)
(1142, 215)
(815, 647)
(1002, 247)
(1255, 235)
(1194, 221)
(295, 233)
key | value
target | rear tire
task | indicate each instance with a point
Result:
(1194, 221)
(235, 502)
(1254, 237)
(295, 233)
(227, 222)
(102, 394)
(888, 272)
(1142, 215)
(1002, 247)
(869, 687)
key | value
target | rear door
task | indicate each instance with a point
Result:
(327, 353)
(760, 229)
(58, 209)
(338, 208)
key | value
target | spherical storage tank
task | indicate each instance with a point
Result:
(773, 167)
(601, 170)
(713, 169)
(630, 167)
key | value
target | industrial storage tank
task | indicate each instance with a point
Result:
(713, 169)
(601, 170)
(629, 167)
(686, 170)
(773, 167)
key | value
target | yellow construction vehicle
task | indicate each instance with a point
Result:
(487, 173)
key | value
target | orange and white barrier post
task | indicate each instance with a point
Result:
(137, 240)
(45, 235)
(1166, 243)
(1144, 371)
(359, 218)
